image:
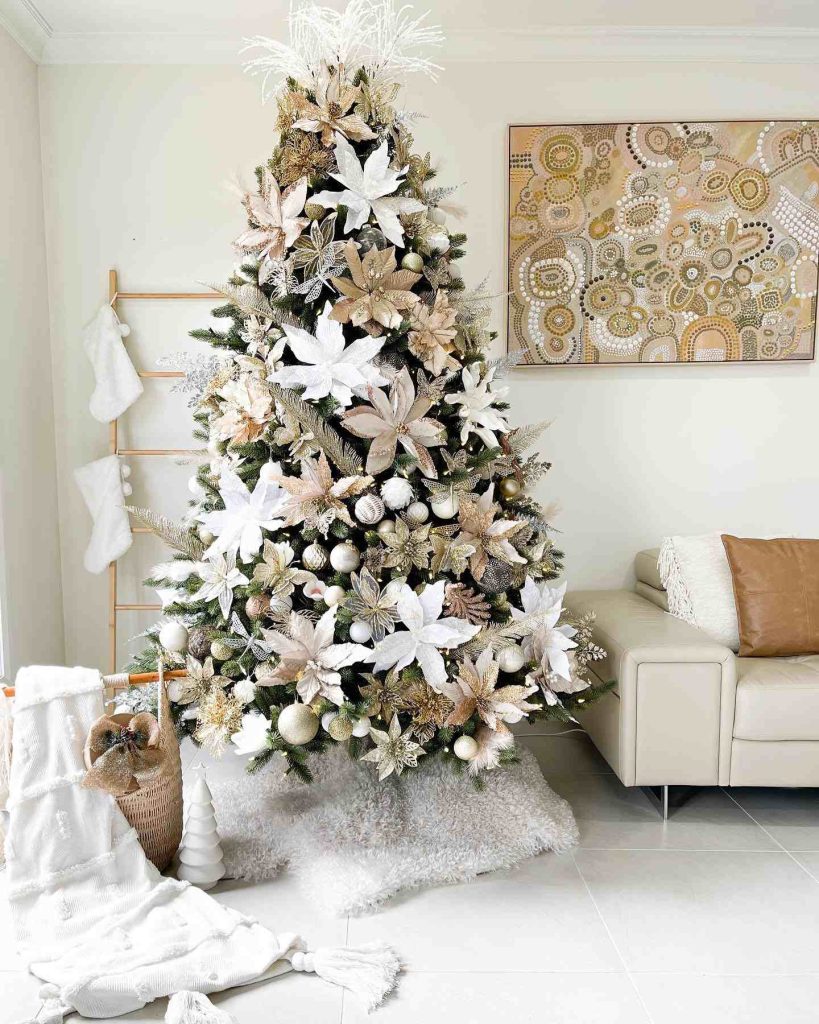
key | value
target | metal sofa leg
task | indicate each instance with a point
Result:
(667, 799)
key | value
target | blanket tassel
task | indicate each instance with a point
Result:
(195, 1008)
(369, 971)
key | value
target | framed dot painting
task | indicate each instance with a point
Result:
(686, 242)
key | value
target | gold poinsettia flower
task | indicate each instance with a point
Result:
(489, 536)
(331, 111)
(427, 708)
(376, 291)
(397, 418)
(474, 690)
(300, 156)
(276, 572)
(385, 696)
(316, 499)
(245, 407)
(408, 547)
(433, 333)
(201, 679)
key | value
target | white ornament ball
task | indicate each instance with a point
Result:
(297, 724)
(360, 632)
(361, 727)
(369, 509)
(270, 472)
(195, 488)
(511, 659)
(345, 557)
(205, 535)
(447, 507)
(396, 492)
(314, 557)
(334, 596)
(174, 637)
(417, 512)
(455, 272)
(437, 241)
(436, 215)
(465, 748)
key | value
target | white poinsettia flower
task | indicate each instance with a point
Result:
(238, 526)
(426, 634)
(308, 657)
(219, 579)
(328, 368)
(252, 737)
(365, 190)
(476, 403)
(549, 642)
(274, 218)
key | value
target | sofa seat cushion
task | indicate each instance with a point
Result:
(777, 698)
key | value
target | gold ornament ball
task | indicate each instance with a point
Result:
(297, 724)
(385, 526)
(465, 748)
(315, 211)
(341, 729)
(205, 535)
(510, 487)
(412, 261)
(220, 651)
(257, 605)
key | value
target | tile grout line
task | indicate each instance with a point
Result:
(773, 838)
(616, 948)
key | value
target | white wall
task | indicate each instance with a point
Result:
(135, 159)
(29, 541)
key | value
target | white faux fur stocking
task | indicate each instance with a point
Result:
(102, 490)
(118, 384)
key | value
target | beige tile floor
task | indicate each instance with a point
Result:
(711, 917)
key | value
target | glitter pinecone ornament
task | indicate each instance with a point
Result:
(199, 643)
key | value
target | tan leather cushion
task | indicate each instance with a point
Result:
(776, 589)
(658, 597)
(645, 568)
(777, 699)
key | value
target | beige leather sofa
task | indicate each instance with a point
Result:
(687, 711)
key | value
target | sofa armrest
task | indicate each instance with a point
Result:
(676, 689)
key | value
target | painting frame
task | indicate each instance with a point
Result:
(805, 360)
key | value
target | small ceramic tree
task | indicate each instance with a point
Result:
(200, 853)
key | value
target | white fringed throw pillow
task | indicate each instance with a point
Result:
(697, 577)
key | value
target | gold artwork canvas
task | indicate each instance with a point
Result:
(663, 242)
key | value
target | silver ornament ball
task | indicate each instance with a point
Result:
(314, 557)
(417, 512)
(369, 509)
(385, 527)
(511, 659)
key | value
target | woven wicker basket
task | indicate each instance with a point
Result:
(155, 810)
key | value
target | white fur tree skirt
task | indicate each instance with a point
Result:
(427, 827)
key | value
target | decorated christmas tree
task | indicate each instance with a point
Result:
(364, 562)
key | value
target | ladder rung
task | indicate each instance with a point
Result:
(162, 451)
(148, 374)
(137, 607)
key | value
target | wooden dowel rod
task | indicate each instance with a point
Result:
(113, 444)
(162, 451)
(160, 373)
(169, 295)
(135, 679)
(140, 529)
(138, 607)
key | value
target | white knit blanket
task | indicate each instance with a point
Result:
(91, 914)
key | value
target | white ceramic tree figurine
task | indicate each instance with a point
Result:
(200, 853)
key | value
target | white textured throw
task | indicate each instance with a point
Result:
(118, 384)
(697, 577)
(92, 916)
(354, 842)
(101, 485)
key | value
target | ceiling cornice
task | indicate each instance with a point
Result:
(27, 26)
(598, 43)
